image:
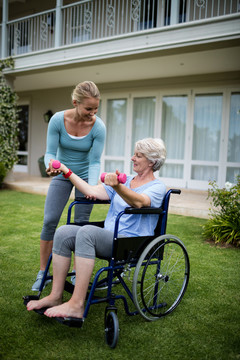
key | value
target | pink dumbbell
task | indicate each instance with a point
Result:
(56, 164)
(122, 178)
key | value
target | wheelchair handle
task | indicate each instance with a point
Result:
(175, 191)
(122, 178)
(56, 164)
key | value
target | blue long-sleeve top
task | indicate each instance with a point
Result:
(82, 155)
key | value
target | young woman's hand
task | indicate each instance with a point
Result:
(51, 171)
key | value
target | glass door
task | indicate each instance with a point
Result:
(22, 164)
(173, 133)
(143, 117)
(206, 136)
(116, 130)
(233, 152)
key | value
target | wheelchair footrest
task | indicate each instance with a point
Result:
(70, 321)
(28, 298)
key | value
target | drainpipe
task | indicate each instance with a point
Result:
(4, 28)
(174, 17)
(58, 23)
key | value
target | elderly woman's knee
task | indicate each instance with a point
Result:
(87, 230)
(61, 233)
(64, 240)
(86, 234)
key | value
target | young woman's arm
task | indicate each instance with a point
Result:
(52, 140)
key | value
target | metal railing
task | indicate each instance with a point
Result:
(33, 33)
(206, 9)
(89, 20)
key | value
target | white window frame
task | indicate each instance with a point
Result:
(186, 181)
(222, 162)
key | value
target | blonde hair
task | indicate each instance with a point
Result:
(154, 150)
(85, 89)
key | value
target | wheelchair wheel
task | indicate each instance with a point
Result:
(111, 329)
(161, 277)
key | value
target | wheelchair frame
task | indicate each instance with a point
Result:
(160, 278)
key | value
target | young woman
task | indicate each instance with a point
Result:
(90, 241)
(76, 138)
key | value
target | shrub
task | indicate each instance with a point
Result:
(224, 222)
(8, 122)
(3, 173)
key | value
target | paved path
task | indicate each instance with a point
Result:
(190, 202)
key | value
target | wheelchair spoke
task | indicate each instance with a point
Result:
(161, 277)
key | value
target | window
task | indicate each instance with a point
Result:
(206, 137)
(116, 129)
(143, 118)
(233, 155)
(202, 140)
(174, 115)
(23, 138)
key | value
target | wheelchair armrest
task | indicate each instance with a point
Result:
(83, 201)
(143, 210)
(86, 201)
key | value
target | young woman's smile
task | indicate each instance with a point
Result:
(88, 108)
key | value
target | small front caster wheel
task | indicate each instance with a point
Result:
(111, 329)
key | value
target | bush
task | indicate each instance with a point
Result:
(8, 123)
(3, 173)
(224, 223)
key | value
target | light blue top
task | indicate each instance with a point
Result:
(82, 155)
(135, 225)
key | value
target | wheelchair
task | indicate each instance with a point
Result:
(152, 270)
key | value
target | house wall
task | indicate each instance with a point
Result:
(59, 99)
(193, 60)
(39, 103)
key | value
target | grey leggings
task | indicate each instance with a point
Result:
(86, 241)
(57, 197)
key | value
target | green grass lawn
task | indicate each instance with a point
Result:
(206, 324)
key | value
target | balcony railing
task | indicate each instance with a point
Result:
(97, 19)
(33, 33)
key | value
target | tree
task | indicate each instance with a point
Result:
(8, 122)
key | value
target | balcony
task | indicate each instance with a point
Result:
(102, 30)
(87, 21)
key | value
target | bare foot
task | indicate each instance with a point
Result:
(47, 301)
(65, 310)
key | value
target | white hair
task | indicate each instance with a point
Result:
(154, 150)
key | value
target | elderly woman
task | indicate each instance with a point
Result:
(90, 241)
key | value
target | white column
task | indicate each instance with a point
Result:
(58, 23)
(175, 6)
(4, 28)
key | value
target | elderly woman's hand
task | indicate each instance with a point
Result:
(111, 179)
